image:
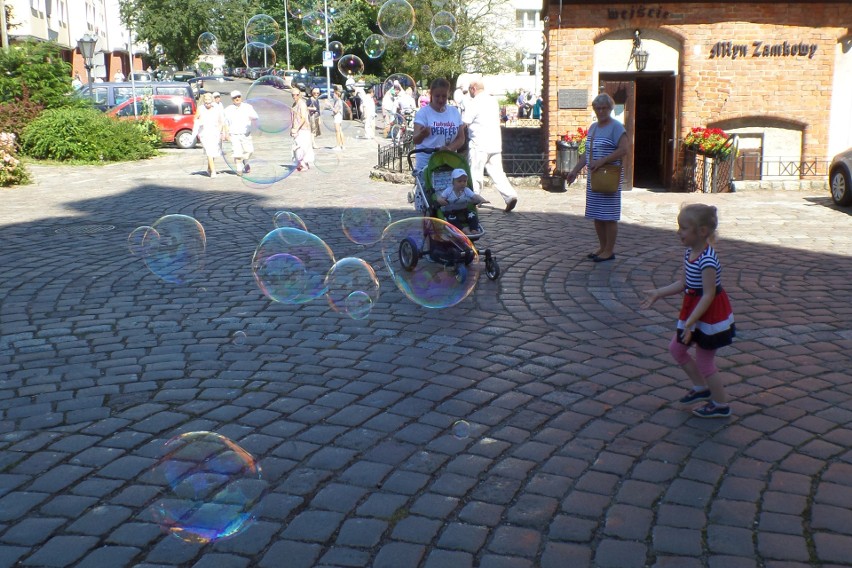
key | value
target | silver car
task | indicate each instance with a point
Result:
(840, 178)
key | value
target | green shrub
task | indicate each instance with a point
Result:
(12, 171)
(38, 68)
(86, 135)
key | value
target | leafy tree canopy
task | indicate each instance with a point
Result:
(38, 68)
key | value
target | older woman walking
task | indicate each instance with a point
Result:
(210, 128)
(606, 143)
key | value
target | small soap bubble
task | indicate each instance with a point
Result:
(211, 488)
(432, 262)
(285, 219)
(443, 36)
(262, 29)
(461, 429)
(350, 66)
(364, 225)
(136, 240)
(314, 23)
(412, 41)
(239, 338)
(352, 287)
(299, 8)
(258, 54)
(374, 46)
(208, 44)
(395, 18)
(290, 266)
(336, 49)
(442, 18)
(174, 250)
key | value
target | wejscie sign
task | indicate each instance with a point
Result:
(762, 49)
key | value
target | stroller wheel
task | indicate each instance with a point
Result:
(408, 253)
(492, 269)
(461, 273)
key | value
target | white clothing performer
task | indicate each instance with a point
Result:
(368, 107)
(240, 117)
(482, 117)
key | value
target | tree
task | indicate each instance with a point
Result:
(38, 69)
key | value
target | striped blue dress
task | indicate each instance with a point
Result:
(602, 141)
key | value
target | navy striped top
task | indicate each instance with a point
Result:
(693, 269)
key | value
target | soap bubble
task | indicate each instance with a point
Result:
(412, 41)
(136, 240)
(405, 82)
(432, 262)
(364, 225)
(239, 338)
(314, 24)
(299, 8)
(208, 44)
(337, 8)
(327, 117)
(290, 266)
(395, 18)
(444, 36)
(174, 249)
(353, 287)
(374, 46)
(262, 29)
(350, 66)
(461, 429)
(258, 55)
(212, 488)
(442, 18)
(336, 49)
(288, 219)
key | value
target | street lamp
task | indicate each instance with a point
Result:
(638, 56)
(86, 45)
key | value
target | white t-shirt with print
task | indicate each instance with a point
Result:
(442, 128)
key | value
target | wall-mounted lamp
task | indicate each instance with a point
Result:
(638, 56)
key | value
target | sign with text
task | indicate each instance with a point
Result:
(762, 49)
(572, 98)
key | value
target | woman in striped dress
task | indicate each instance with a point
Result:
(606, 143)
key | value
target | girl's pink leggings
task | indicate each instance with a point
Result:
(703, 357)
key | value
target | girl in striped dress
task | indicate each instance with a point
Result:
(706, 318)
(606, 143)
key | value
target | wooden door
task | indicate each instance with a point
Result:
(624, 95)
(670, 130)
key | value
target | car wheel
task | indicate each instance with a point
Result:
(841, 189)
(184, 139)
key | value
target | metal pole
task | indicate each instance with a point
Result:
(130, 59)
(327, 69)
(4, 33)
(286, 31)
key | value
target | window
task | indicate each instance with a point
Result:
(165, 106)
(526, 19)
(128, 110)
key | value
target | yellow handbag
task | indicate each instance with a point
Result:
(606, 179)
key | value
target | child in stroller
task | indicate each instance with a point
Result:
(455, 201)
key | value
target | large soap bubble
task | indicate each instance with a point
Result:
(350, 66)
(405, 82)
(353, 287)
(136, 242)
(258, 55)
(174, 248)
(395, 18)
(262, 29)
(432, 262)
(290, 266)
(365, 224)
(299, 8)
(314, 24)
(208, 44)
(374, 46)
(442, 18)
(336, 49)
(443, 36)
(273, 115)
(212, 488)
(285, 219)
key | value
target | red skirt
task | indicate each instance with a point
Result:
(716, 327)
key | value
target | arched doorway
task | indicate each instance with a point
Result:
(646, 101)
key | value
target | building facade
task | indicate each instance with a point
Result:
(777, 74)
(66, 21)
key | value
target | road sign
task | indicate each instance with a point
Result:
(327, 59)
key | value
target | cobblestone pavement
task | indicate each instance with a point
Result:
(578, 453)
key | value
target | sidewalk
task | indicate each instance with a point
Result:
(578, 454)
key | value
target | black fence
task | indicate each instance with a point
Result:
(394, 156)
(749, 167)
(705, 174)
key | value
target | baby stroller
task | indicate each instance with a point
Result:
(437, 174)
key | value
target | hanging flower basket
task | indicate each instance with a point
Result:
(711, 142)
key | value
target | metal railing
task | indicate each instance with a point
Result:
(394, 156)
(752, 167)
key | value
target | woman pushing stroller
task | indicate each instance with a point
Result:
(437, 125)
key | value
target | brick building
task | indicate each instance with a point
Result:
(778, 74)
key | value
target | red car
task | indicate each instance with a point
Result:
(173, 114)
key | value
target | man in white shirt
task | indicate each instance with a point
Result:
(482, 117)
(390, 107)
(368, 107)
(240, 118)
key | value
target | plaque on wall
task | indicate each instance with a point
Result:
(572, 98)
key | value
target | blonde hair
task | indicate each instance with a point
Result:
(207, 98)
(701, 216)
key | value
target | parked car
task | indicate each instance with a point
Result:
(840, 178)
(143, 76)
(109, 95)
(210, 84)
(174, 116)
